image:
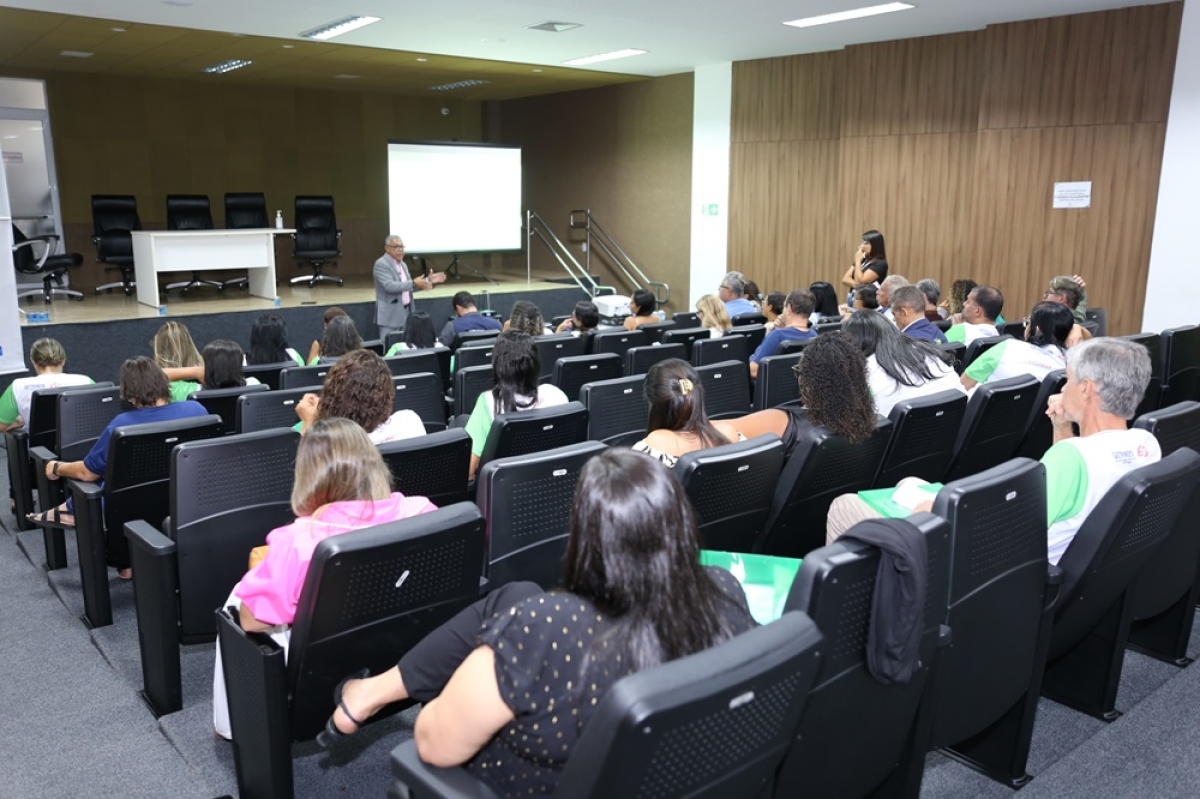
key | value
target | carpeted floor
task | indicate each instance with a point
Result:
(73, 724)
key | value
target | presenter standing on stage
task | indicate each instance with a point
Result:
(395, 285)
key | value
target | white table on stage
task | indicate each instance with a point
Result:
(158, 251)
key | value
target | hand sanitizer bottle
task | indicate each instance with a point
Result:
(279, 220)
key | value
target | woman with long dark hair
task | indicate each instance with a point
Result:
(870, 261)
(341, 337)
(516, 367)
(1043, 350)
(269, 342)
(827, 303)
(223, 365)
(419, 334)
(510, 684)
(898, 367)
(677, 423)
(643, 309)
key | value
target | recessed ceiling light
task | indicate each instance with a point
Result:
(289, 47)
(76, 54)
(341, 26)
(237, 35)
(422, 59)
(227, 66)
(854, 13)
(492, 41)
(555, 27)
(535, 70)
(596, 59)
(345, 76)
(177, 2)
(460, 84)
(117, 30)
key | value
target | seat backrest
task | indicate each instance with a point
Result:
(434, 466)
(1175, 427)
(998, 576)
(188, 212)
(834, 588)
(1100, 317)
(776, 383)
(730, 488)
(754, 335)
(638, 360)
(268, 410)
(617, 410)
(226, 494)
(82, 416)
(114, 212)
(478, 355)
(315, 223)
(747, 319)
(1013, 329)
(1181, 365)
(684, 335)
(370, 595)
(301, 376)
(655, 330)
(980, 346)
(994, 425)
(409, 362)
(922, 440)
(729, 347)
(686, 318)
(525, 432)
(1116, 541)
(712, 724)
(1039, 432)
(944, 324)
(822, 467)
(43, 413)
(571, 373)
(959, 352)
(471, 337)
(469, 383)
(526, 501)
(828, 327)
(422, 394)
(726, 388)
(551, 348)
(267, 373)
(223, 402)
(615, 341)
(1153, 344)
(246, 210)
(24, 258)
(792, 347)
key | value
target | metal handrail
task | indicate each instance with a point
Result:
(617, 256)
(536, 226)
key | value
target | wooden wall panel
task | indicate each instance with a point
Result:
(784, 99)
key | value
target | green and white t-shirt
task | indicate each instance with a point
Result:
(1013, 357)
(965, 332)
(15, 401)
(1079, 471)
(480, 422)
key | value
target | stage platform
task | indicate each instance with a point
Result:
(103, 330)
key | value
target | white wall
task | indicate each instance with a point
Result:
(1170, 287)
(711, 118)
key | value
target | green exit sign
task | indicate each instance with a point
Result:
(709, 209)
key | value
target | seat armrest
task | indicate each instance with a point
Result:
(48, 490)
(155, 599)
(429, 782)
(20, 472)
(1054, 580)
(93, 556)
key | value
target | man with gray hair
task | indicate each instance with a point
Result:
(394, 287)
(889, 284)
(933, 294)
(732, 292)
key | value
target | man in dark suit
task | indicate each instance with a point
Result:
(395, 285)
(908, 308)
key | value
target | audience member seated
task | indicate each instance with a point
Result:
(933, 293)
(1069, 293)
(713, 315)
(866, 298)
(269, 343)
(342, 484)
(884, 295)
(420, 335)
(1042, 351)
(633, 596)
(732, 292)
(341, 337)
(899, 368)
(979, 315)
(176, 354)
(1106, 379)
(314, 351)
(773, 309)
(466, 318)
(825, 303)
(754, 295)
(359, 387)
(833, 389)
(144, 386)
(525, 318)
(584, 319)
(676, 423)
(796, 313)
(959, 291)
(911, 317)
(223, 362)
(516, 367)
(870, 261)
(643, 310)
(48, 358)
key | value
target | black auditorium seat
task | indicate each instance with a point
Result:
(267, 410)
(615, 341)
(776, 384)
(726, 389)
(422, 394)
(469, 383)
(655, 330)
(536, 430)
(1153, 344)
(1181, 365)
(638, 360)
(980, 346)
(922, 440)
(617, 410)
(302, 376)
(572, 372)
(730, 488)
(551, 348)
(434, 466)
(684, 336)
(994, 425)
(223, 402)
(729, 347)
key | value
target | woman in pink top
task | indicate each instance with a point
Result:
(342, 484)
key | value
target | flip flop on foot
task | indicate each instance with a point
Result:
(54, 519)
(332, 733)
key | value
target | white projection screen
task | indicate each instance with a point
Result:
(455, 198)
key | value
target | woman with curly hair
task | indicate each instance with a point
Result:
(899, 367)
(713, 315)
(525, 317)
(677, 423)
(833, 388)
(959, 291)
(359, 387)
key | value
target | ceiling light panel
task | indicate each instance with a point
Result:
(555, 27)
(596, 59)
(854, 13)
(227, 66)
(460, 84)
(326, 32)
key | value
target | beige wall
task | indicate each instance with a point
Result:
(951, 145)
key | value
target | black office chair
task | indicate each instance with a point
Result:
(226, 494)
(1115, 543)
(713, 724)
(114, 218)
(434, 466)
(368, 597)
(726, 389)
(776, 384)
(1181, 365)
(994, 425)
(729, 347)
(245, 211)
(617, 410)
(270, 410)
(224, 402)
(422, 394)
(1039, 432)
(571, 373)
(44, 266)
(551, 348)
(190, 212)
(638, 360)
(526, 501)
(615, 341)
(537, 430)
(316, 238)
(922, 440)
(730, 488)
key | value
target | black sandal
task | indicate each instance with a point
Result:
(50, 519)
(331, 734)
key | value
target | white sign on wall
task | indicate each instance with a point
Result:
(1077, 194)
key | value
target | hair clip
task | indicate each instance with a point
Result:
(685, 386)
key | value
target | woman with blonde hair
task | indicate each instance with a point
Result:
(176, 354)
(341, 484)
(713, 315)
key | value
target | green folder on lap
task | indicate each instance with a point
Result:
(881, 500)
(766, 579)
